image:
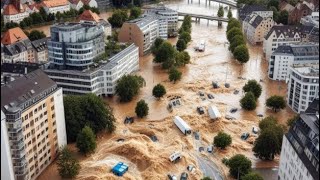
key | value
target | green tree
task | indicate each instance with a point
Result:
(241, 53)
(182, 58)
(275, 13)
(236, 41)
(142, 109)
(233, 23)
(276, 103)
(186, 25)
(220, 12)
(68, 165)
(283, 17)
(233, 32)
(239, 165)
(43, 13)
(185, 36)
(291, 121)
(181, 45)
(174, 74)
(36, 18)
(35, 35)
(268, 122)
(128, 86)
(155, 47)
(267, 145)
(229, 13)
(118, 18)
(135, 12)
(273, 3)
(86, 140)
(222, 140)
(254, 87)
(165, 55)
(252, 176)
(206, 178)
(248, 102)
(158, 91)
(186, 57)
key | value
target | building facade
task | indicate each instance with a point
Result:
(40, 47)
(33, 106)
(54, 6)
(256, 27)
(99, 79)
(75, 45)
(299, 157)
(303, 87)
(291, 55)
(167, 17)
(16, 11)
(142, 32)
(300, 10)
(247, 10)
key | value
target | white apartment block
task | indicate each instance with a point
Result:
(295, 54)
(256, 27)
(299, 157)
(54, 6)
(99, 79)
(303, 87)
(33, 106)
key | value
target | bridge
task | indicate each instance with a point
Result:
(227, 2)
(208, 17)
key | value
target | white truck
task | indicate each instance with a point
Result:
(214, 112)
(175, 156)
(182, 125)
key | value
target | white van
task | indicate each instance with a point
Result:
(175, 156)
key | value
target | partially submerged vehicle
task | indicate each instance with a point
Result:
(182, 125)
(214, 112)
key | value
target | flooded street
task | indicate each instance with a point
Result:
(150, 160)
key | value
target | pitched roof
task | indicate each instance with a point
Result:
(55, 3)
(254, 20)
(285, 29)
(40, 44)
(24, 88)
(13, 35)
(88, 15)
(248, 9)
(10, 10)
(74, 1)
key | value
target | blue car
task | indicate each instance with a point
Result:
(120, 169)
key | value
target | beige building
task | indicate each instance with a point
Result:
(256, 27)
(142, 32)
(34, 113)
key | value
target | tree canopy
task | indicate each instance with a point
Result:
(239, 165)
(229, 14)
(157, 43)
(158, 91)
(248, 102)
(220, 12)
(222, 140)
(118, 18)
(88, 110)
(236, 41)
(35, 35)
(233, 22)
(181, 45)
(174, 74)
(86, 140)
(135, 12)
(185, 36)
(142, 109)
(254, 87)
(276, 102)
(129, 86)
(233, 32)
(241, 53)
(68, 165)
(252, 176)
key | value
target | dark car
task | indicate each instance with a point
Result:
(260, 115)
(233, 110)
(210, 96)
(172, 177)
(200, 110)
(215, 85)
(184, 176)
(245, 136)
(236, 92)
(227, 85)
(197, 135)
(201, 93)
(128, 120)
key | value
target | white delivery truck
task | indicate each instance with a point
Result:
(182, 125)
(214, 112)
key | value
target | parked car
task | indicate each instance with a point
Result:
(201, 93)
(255, 129)
(128, 120)
(190, 168)
(227, 85)
(233, 110)
(210, 149)
(215, 85)
(236, 92)
(172, 177)
(120, 168)
(228, 117)
(245, 136)
(184, 176)
(201, 149)
(200, 110)
(210, 96)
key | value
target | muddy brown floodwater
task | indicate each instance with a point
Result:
(148, 159)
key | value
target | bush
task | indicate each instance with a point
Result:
(248, 102)
(86, 140)
(158, 91)
(142, 109)
(222, 140)
(68, 166)
(128, 86)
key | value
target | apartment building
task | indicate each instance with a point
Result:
(54, 6)
(303, 87)
(17, 47)
(89, 16)
(299, 157)
(99, 79)
(142, 32)
(167, 17)
(311, 20)
(247, 10)
(16, 11)
(256, 27)
(40, 47)
(291, 55)
(75, 45)
(33, 108)
(281, 35)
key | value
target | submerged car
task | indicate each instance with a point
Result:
(215, 85)
(184, 176)
(210, 96)
(200, 110)
(172, 177)
(233, 110)
(245, 136)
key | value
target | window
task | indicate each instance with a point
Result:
(44, 105)
(53, 115)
